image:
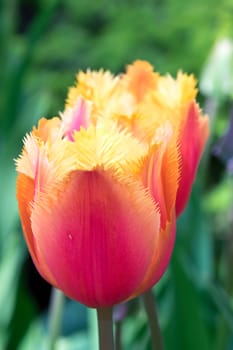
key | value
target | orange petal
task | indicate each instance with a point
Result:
(97, 234)
(48, 129)
(25, 194)
(161, 175)
(140, 78)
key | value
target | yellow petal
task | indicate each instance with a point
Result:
(96, 86)
(105, 145)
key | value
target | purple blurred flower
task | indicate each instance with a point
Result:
(224, 148)
(120, 312)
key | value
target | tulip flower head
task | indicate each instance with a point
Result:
(100, 187)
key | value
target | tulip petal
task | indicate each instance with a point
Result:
(95, 86)
(140, 78)
(161, 175)
(174, 93)
(164, 247)
(97, 233)
(48, 129)
(75, 118)
(45, 162)
(105, 145)
(25, 194)
(193, 136)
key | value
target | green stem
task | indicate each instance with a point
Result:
(150, 307)
(105, 328)
(118, 327)
(223, 332)
(55, 316)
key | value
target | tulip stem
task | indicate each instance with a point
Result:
(118, 326)
(105, 328)
(55, 316)
(151, 311)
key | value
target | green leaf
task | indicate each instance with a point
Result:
(36, 339)
(9, 271)
(223, 303)
(187, 329)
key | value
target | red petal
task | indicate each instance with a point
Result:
(164, 248)
(98, 236)
(192, 140)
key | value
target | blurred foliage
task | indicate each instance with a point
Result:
(43, 43)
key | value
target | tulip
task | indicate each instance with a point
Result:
(99, 188)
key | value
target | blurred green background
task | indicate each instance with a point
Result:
(43, 44)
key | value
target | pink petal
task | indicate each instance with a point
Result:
(80, 117)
